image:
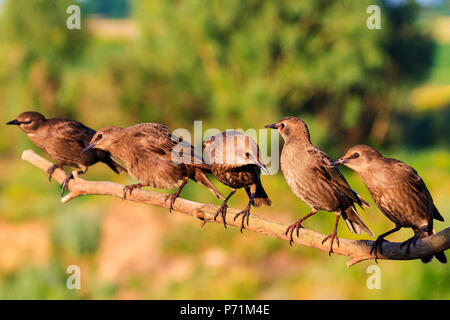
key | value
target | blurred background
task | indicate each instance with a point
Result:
(232, 64)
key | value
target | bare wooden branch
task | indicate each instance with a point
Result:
(357, 250)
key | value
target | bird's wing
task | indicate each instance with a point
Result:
(331, 174)
(157, 138)
(416, 183)
(74, 131)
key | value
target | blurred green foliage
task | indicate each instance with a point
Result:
(232, 64)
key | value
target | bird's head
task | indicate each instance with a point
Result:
(291, 128)
(103, 139)
(233, 149)
(359, 158)
(28, 121)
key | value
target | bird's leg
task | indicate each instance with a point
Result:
(333, 235)
(412, 240)
(175, 195)
(223, 209)
(52, 169)
(65, 183)
(377, 245)
(130, 189)
(246, 212)
(298, 225)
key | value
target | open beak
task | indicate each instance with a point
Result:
(272, 126)
(13, 122)
(339, 161)
(89, 147)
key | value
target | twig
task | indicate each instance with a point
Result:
(357, 250)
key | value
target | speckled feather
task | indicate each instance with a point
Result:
(146, 150)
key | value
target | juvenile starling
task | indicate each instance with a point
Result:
(63, 140)
(313, 179)
(154, 157)
(235, 161)
(398, 191)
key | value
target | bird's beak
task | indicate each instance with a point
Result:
(263, 168)
(89, 147)
(272, 126)
(260, 164)
(13, 122)
(339, 161)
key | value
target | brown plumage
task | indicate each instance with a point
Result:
(63, 140)
(154, 157)
(311, 176)
(398, 191)
(235, 161)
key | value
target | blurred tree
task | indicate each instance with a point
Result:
(35, 30)
(108, 8)
(245, 63)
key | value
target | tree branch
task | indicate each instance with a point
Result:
(357, 250)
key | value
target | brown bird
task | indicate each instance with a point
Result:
(313, 179)
(63, 140)
(235, 161)
(398, 191)
(154, 157)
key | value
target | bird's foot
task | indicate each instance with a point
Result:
(130, 189)
(412, 240)
(52, 169)
(296, 226)
(332, 236)
(408, 243)
(172, 197)
(65, 183)
(245, 217)
(377, 247)
(223, 212)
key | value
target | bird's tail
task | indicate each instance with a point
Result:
(201, 177)
(440, 255)
(110, 162)
(261, 196)
(354, 222)
(364, 203)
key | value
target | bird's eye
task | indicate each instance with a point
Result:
(99, 136)
(27, 122)
(247, 155)
(356, 155)
(282, 125)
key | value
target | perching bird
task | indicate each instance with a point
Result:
(63, 140)
(235, 160)
(313, 179)
(154, 157)
(398, 191)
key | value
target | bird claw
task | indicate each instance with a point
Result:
(223, 212)
(172, 198)
(377, 247)
(65, 184)
(245, 216)
(408, 243)
(51, 170)
(130, 189)
(291, 228)
(332, 236)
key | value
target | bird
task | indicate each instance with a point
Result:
(235, 160)
(63, 140)
(314, 180)
(155, 157)
(398, 191)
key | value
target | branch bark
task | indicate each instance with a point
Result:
(357, 250)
